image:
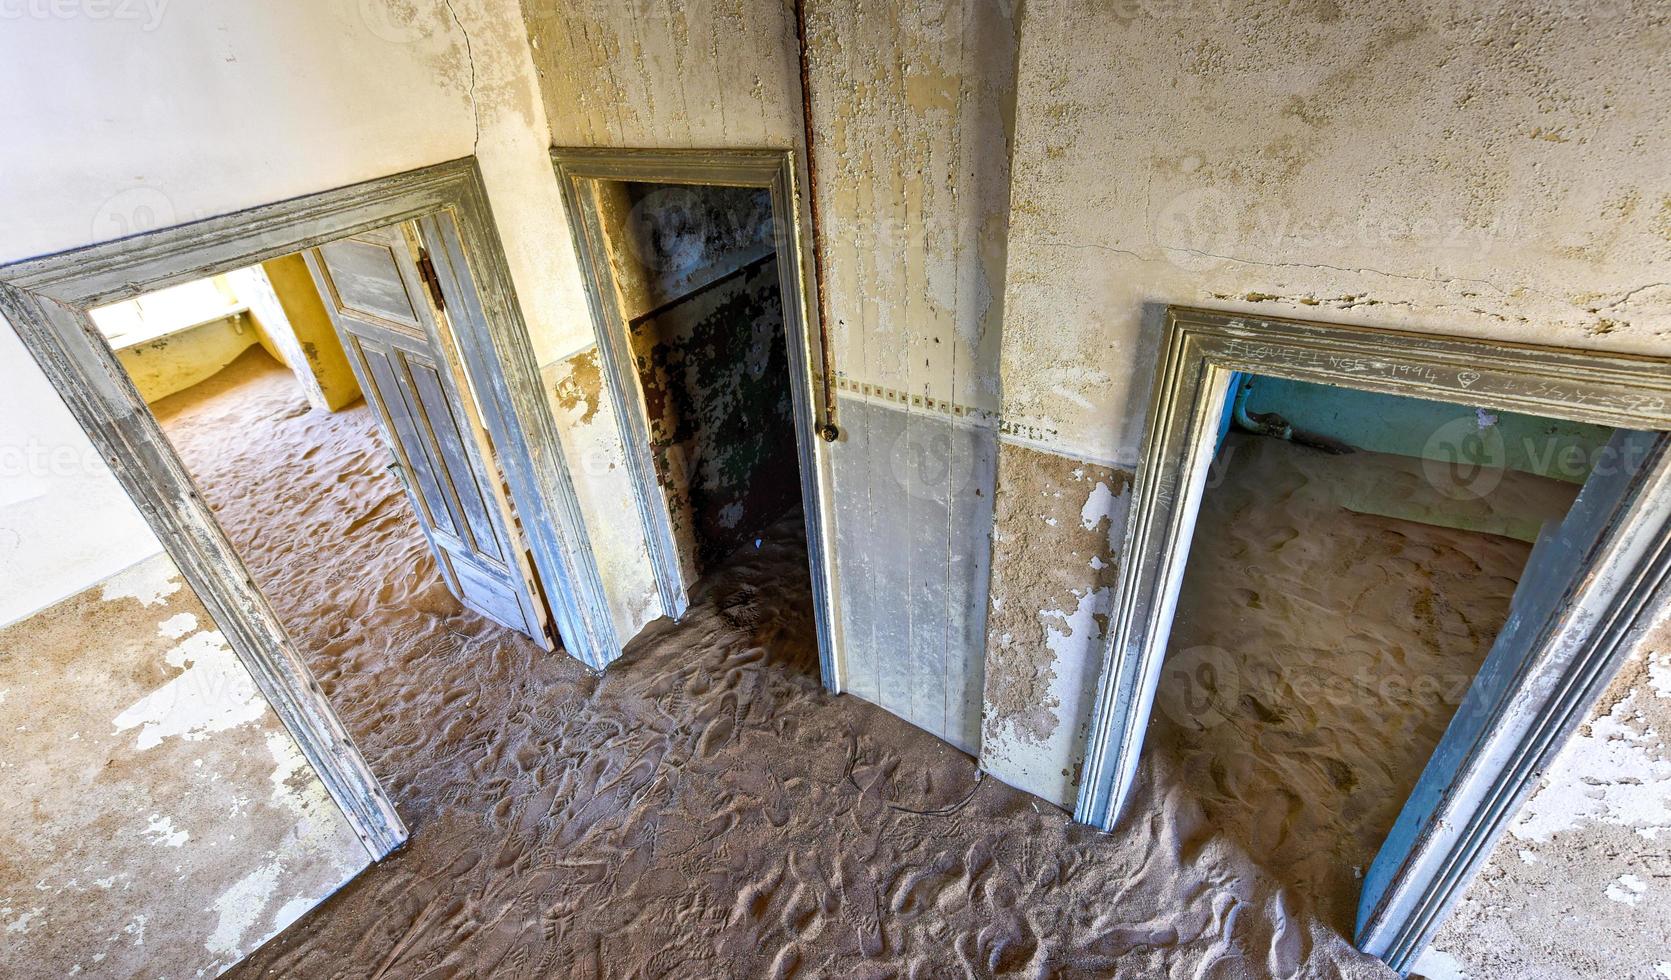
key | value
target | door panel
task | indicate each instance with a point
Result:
(367, 280)
(444, 435)
(395, 340)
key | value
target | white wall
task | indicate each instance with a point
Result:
(65, 523)
(207, 108)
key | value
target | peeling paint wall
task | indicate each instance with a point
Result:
(1468, 168)
(695, 275)
(714, 370)
(584, 413)
(666, 241)
(912, 107)
(1464, 168)
(1579, 885)
(161, 820)
(1059, 529)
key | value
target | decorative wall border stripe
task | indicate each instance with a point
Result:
(893, 396)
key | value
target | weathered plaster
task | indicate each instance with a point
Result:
(714, 371)
(585, 418)
(1579, 885)
(1059, 527)
(161, 821)
(913, 105)
(1467, 168)
(173, 363)
(668, 240)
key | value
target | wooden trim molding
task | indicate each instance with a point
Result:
(47, 300)
(578, 170)
(1490, 761)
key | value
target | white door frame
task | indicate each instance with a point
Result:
(774, 170)
(1569, 656)
(47, 300)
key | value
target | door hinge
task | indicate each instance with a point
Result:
(426, 272)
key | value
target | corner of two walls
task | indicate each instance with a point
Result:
(297, 329)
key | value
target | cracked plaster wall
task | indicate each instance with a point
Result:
(1464, 168)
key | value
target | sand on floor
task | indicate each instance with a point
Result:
(704, 809)
(1317, 656)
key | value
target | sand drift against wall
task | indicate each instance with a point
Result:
(1317, 656)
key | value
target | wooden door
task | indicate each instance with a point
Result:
(391, 317)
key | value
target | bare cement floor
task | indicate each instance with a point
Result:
(702, 810)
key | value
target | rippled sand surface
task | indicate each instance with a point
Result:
(704, 809)
(1318, 655)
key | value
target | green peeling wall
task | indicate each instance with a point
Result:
(715, 375)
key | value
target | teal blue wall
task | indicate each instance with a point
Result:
(1433, 429)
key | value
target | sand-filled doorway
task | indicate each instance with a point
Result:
(1354, 558)
(1587, 589)
(694, 273)
(318, 404)
(459, 269)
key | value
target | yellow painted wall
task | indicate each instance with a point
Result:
(311, 323)
(177, 361)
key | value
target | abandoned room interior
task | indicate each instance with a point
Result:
(794, 488)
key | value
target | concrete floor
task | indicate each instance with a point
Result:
(704, 809)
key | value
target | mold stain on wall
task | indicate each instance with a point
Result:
(163, 821)
(1058, 526)
(714, 370)
(578, 387)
